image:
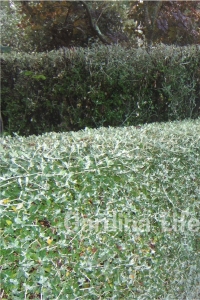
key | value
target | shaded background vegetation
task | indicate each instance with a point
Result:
(46, 25)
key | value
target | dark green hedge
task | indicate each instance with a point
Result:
(71, 89)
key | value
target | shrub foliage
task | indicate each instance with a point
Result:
(71, 89)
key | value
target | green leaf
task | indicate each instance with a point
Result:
(38, 77)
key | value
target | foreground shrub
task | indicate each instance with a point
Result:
(102, 214)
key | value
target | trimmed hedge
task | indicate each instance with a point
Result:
(71, 89)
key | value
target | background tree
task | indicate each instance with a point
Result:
(11, 34)
(54, 24)
(46, 25)
(169, 22)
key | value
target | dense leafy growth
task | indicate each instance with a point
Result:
(70, 89)
(102, 214)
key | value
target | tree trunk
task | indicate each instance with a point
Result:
(94, 26)
(151, 11)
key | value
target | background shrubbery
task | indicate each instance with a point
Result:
(70, 89)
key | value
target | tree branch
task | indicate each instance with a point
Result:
(94, 26)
